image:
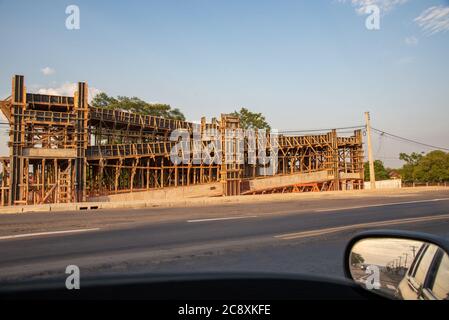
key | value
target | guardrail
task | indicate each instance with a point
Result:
(130, 150)
(134, 119)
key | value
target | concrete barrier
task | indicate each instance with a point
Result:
(385, 184)
(280, 181)
(193, 191)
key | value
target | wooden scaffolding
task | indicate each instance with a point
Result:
(63, 150)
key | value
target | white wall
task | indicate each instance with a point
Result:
(385, 184)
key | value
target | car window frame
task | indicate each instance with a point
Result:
(416, 285)
(431, 275)
(417, 260)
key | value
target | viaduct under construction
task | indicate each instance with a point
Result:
(63, 150)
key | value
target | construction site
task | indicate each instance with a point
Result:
(62, 150)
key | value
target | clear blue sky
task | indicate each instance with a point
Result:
(303, 64)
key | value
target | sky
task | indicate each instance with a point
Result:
(381, 251)
(303, 64)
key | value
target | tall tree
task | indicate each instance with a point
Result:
(432, 167)
(380, 172)
(136, 105)
(356, 258)
(408, 169)
(412, 158)
(251, 120)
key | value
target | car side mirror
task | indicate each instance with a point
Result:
(399, 264)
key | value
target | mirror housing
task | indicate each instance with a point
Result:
(399, 264)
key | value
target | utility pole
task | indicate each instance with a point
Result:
(414, 250)
(372, 176)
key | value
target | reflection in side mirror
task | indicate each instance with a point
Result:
(400, 268)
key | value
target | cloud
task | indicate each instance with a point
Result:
(384, 5)
(434, 20)
(411, 41)
(47, 71)
(68, 89)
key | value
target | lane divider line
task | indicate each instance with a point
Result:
(221, 219)
(319, 232)
(26, 235)
(380, 205)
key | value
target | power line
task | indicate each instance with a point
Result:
(387, 158)
(319, 130)
(409, 140)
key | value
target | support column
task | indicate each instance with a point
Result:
(372, 175)
(81, 139)
(18, 106)
(335, 160)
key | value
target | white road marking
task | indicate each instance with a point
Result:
(380, 205)
(319, 232)
(25, 235)
(221, 219)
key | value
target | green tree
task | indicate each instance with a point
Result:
(432, 167)
(408, 169)
(136, 105)
(412, 158)
(177, 114)
(380, 172)
(102, 100)
(356, 258)
(251, 120)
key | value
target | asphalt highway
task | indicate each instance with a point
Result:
(295, 236)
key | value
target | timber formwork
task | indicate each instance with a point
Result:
(63, 150)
